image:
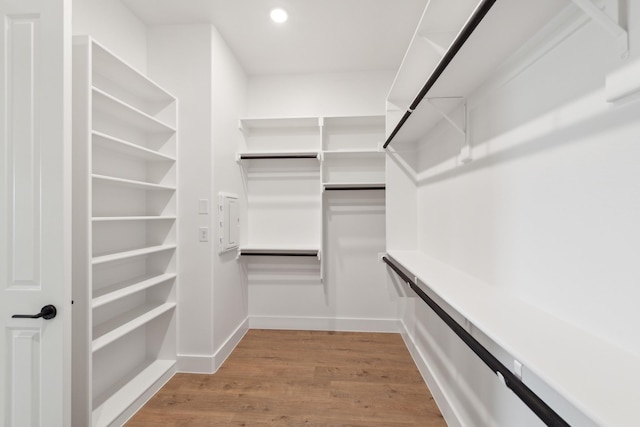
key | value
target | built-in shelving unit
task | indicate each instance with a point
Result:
(125, 237)
(454, 52)
(503, 317)
(288, 163)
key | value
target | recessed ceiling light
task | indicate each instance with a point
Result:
(279, 15)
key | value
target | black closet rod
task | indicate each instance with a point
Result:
(376, 187)
(278, 156)
(528, 397)
(453, 50)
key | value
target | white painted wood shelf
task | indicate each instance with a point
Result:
(134, 218)
(565, 357)
(128, 287)
(134, 253)
(125, 229)
(106, 333)
(111, 106)
(128, 149)
(496, 38)
(139, 383)
(130, 183)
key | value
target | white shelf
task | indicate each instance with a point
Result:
(130, 183)
(107, 64)
(112, 143)
(137, 385)
(121, 111)
(599, 379)
(439, 25)
(127, 288)
(102, 259)
(492, 42)
(132, 218)
(108, 332)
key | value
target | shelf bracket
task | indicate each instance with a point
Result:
(598, 15)
(461, 128)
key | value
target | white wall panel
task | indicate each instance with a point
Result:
(23, 192)
(308, 95)
(24, 350)
(115, 26)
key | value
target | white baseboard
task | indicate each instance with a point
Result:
(209, 364)
(325, 324)
(435, 387)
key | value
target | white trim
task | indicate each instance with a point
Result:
(439, 393)
(209, 364)
(326, 324)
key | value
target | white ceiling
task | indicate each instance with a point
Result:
(320, 35)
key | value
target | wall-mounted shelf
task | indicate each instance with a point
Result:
(502, 318)
(96, 219)
(480, 45)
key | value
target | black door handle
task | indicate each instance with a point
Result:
(47, 312)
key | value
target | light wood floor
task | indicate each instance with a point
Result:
(301, 378)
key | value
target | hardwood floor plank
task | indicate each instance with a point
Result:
(301, 378)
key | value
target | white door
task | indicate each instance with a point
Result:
(35, 208)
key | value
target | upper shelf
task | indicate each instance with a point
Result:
(487, 38)
(108, 65)
(559, 353)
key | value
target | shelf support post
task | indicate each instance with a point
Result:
(598, 15)
(461, 128)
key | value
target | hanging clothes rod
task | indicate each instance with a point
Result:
(279, 252)
(462, 37)
(528, 397)
(279, 156)
(354, 187)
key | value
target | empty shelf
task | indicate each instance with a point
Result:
(137, 385)
(130, 183)
(110, 331)
(124, 289)
(117, 256)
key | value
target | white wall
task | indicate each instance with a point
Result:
(194, 63)
(115, 27)
(229, 91)
(288, 293)
(309, 95)
(547, 211)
